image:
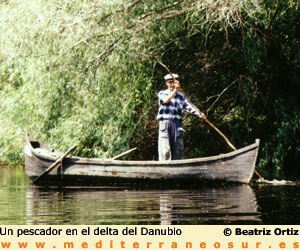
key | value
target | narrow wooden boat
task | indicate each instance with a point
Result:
(236, 166)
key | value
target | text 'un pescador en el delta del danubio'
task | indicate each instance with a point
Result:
(103, 231)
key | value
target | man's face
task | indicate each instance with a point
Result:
(171, 84)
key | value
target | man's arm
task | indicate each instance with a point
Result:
(189, 107)
(170, 96)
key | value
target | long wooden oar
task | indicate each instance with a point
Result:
(55, 163)
(225, 138)
(125, 153)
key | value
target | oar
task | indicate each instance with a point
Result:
(215, 128)
(55, 163)
(225, 138)
(125, 153)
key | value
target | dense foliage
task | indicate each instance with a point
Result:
(88, 72)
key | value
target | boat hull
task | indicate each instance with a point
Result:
(237, 166)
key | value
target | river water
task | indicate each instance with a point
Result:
(22, 203)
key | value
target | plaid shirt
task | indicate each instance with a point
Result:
(173, 109)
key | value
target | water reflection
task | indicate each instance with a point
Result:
(205, 205)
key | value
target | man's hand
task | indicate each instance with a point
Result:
(177, 85)
(203, 116)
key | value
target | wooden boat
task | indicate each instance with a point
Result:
(236, 166)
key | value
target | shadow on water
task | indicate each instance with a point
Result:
(105, 205)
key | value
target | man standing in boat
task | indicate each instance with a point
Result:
(171, 104)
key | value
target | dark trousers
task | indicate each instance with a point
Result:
(170, 140)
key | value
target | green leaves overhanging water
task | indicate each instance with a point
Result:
(85, 72)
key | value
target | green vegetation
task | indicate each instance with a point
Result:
(87, 73)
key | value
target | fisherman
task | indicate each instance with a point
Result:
(171, 103)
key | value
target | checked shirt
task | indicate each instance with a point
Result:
(174, 109)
